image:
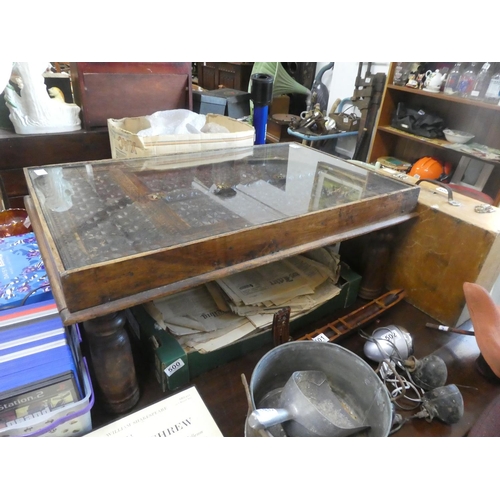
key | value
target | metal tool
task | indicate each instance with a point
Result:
(309, 408)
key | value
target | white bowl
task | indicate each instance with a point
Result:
(457, 136)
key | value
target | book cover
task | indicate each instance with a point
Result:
(34, 350)
(23, 279)
(34, 357)
(32, 400)
(31, 369)
(25, 335)
(182, 415)
(27, 314)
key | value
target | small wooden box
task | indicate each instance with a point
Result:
(448, 246)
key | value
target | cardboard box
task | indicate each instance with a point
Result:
(204, 103)
(160, 348)
(186, 366)
(125, 143)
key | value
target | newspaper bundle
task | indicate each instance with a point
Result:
(221, 312)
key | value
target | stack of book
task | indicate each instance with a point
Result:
(39, 360)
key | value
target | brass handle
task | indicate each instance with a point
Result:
(440, 184)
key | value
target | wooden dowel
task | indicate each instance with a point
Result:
(448, 329)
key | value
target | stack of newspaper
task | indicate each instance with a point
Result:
(219, 313)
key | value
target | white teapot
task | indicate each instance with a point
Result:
(433, 81)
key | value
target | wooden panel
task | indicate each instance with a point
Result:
(122, 95)
(129, 89)
(19, 151)
(208, 77)
(232, 75)
(14, 182)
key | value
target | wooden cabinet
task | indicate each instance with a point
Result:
(18, 151)
(445, 247)
(232, 75)
(477, 117)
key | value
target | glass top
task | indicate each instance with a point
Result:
(105, 210)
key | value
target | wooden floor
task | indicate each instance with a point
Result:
(223, 391)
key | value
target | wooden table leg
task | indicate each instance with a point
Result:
(376, 256)
(112, 362)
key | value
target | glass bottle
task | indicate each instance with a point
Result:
(451, 85)
(399, 74)
(493, 91)
(467, 81)
(482, 81)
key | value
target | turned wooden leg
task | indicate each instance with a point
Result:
(112, 362)
(376, 256)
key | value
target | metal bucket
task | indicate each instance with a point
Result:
(353, 381)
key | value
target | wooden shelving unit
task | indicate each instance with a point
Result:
(477, 117)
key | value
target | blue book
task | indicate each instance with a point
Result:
(34, 374)
(36, 349)
(20, 336)
(35, 356)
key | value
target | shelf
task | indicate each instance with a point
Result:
(437, 143)
(445, 97)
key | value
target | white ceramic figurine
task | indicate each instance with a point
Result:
(33, 110)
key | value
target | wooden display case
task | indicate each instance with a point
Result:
(477, 117)
(150, 227)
